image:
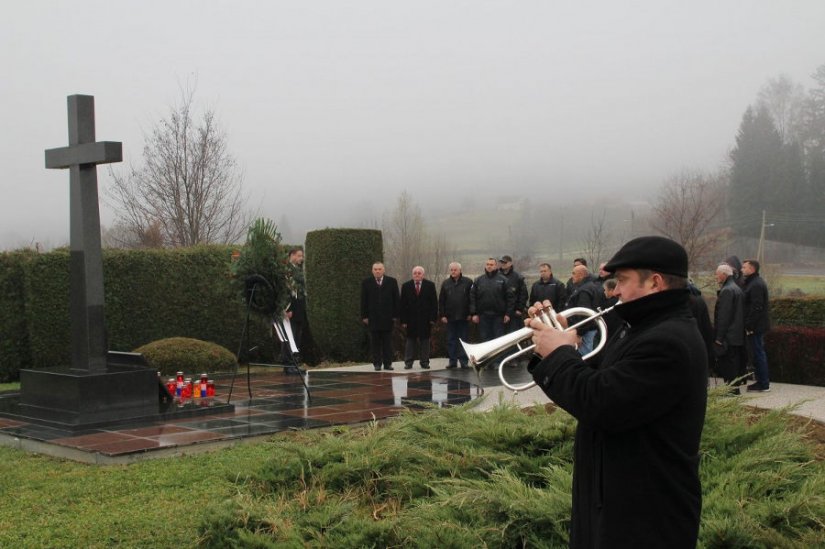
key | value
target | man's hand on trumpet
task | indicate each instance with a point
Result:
(546, 337)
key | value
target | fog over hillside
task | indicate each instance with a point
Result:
(333, 109)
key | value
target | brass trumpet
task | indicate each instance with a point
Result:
(478, 353)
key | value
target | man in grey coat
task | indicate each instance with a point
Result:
(729, 327)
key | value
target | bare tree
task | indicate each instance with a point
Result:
(407, 243)
(785, 101)
(403, 231)
(596, 241)
(189, 186)
(688, 209)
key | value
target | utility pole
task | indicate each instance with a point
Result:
(760, 252)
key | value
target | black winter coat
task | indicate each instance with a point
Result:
(757, 308)
(553, 289)
(379, 304)
(519, 289)
(491, 295)
(584, 295)
(418, 312)
(454, 298)
(640, 415)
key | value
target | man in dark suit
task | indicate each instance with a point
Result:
(419, 310)
(379, 309)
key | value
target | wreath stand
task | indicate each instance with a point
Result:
(258, 293)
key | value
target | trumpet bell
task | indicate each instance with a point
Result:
(478, 353)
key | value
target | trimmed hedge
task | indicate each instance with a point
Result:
(798, 311)
(149, 295)
(14, 335)
(337, 260)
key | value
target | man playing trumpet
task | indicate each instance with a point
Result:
(640, 406)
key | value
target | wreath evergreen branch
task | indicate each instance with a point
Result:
(263, 263)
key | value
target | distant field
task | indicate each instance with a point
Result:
(793, 284)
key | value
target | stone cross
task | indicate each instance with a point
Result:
(89, 346)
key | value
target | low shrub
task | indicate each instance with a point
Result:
(455, 478)
(188, 355)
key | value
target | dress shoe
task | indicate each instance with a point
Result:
(378, 368)
(464, 366)
(389, 368)
(408, 366)
(451, 366)
(425, 366)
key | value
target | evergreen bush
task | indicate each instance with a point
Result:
(149, 295)
(503, 478)
(194, 356)
(798, 311)
(337, 261)
(14, 342)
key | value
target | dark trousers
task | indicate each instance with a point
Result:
(490, 326)
(729, 364)
(381, 346)
(457, 329)
(421, 345)
(756, 342)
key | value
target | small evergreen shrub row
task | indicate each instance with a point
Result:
(798, 311)
(503, 478)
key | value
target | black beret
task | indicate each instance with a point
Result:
(656, 253)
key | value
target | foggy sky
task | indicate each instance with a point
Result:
(333, 108)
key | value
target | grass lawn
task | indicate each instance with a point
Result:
(447, 477)
(811, 285)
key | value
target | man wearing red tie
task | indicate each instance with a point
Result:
(419, 311)
(379, 309)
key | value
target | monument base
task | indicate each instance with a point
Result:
(67, 398)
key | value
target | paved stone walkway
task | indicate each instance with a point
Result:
(809, 401)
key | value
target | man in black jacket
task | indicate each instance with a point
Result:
(757, 322)
(419, 307)
(640, 411)
(548, 287)
(729, 327)
(517, 285)
(454, 311)
(491, 302)
(584, 293)
(379, 309)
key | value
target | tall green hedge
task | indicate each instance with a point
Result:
(149, 295)
(798, 311)
(337, 260)
(14, 336)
